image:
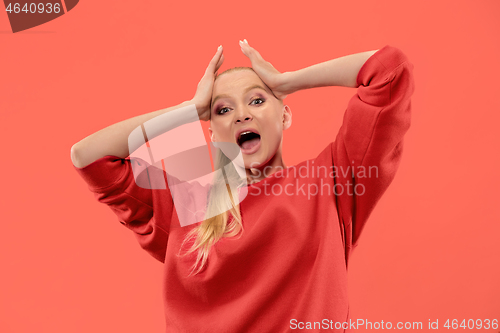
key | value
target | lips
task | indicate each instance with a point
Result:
(248, 139)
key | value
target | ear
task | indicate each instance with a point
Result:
(287, 117)
(211, 134)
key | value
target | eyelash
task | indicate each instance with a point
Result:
(258, 98)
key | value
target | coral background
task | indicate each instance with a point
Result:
(430, 250)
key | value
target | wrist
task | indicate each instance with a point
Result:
(202, 108)
(290, 82)
(196, 103)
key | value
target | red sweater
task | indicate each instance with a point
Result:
(288, 270)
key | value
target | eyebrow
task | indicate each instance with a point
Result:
(255, 86)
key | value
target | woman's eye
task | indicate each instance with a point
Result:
(220, 110)
(258, 99)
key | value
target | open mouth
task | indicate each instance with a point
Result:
(249, 141)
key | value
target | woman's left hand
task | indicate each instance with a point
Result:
(279, 83)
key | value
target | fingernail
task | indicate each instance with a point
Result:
(245, 41)
(220, 47)
(241, 42)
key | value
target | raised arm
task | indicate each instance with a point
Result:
(113, 140)
(102, 160)
(341, 71)
(368, 147)
(370, 140)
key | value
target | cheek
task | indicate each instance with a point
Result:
(273, 133)
(221, 130)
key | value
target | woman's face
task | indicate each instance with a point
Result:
(241, 102)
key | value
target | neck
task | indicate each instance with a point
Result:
(255, 175)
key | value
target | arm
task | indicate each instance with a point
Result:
(113, 140)
(370, 139)
(101, 159)
(372, 134)
(341, 71)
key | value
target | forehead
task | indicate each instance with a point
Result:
(235, 82)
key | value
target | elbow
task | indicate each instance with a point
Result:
(395, 56)
(74, 156)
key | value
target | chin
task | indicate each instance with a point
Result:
(252, 162)
(256, 162)
(259, 159)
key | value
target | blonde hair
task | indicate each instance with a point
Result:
(218, 226)
(223, 193)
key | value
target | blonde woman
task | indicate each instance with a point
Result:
(277, 260)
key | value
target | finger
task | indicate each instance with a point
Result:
(221, 60)
(215, 60)
(249, 51)
(244, 48)
(258, 63)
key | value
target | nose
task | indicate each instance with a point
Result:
(242, 115)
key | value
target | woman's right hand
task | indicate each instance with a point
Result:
(203, 95)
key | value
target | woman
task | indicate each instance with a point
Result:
(277, 260)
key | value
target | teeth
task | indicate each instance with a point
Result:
(241, 135)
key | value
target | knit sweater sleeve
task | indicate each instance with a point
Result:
(368, 148)
(126, 186)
